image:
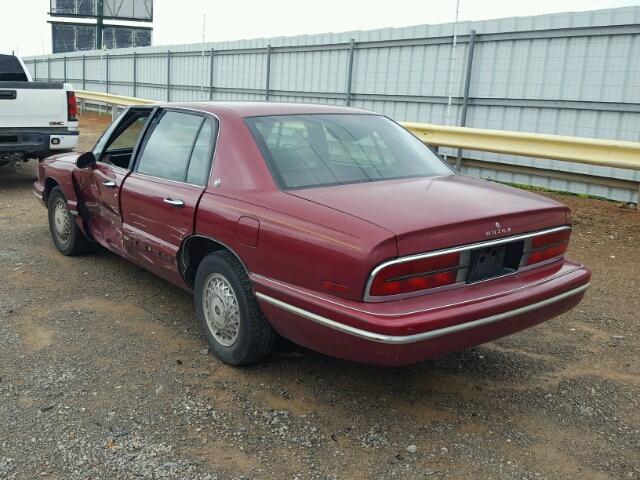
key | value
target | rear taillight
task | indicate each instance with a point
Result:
(72, 107)
(551, 245)
(415, 275)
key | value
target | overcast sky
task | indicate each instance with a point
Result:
(24, 27)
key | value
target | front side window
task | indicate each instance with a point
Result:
(169, 147)
(117, 144)
(128, 138)
(314, 150)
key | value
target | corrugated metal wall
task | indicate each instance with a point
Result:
(571, 74)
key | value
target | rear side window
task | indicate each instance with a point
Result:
(316, 150)
(168, 149)
(200, 163)
(11, 70)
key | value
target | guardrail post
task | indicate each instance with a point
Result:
(135, 74)
(267, 86)
(64, 68)
(211, 71)
(467, 86)
(48, 69)
(168, 75)
(352, 50)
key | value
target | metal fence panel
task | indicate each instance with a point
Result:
(569, 73)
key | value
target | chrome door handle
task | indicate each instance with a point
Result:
(174, 203)
(109, 184)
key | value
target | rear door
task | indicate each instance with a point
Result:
(100, 186)
(160, 197)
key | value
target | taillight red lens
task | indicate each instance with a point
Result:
(548, 246)
(416, 275)
(72, 107)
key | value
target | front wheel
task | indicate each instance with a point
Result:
(66, 235)
(236, 329)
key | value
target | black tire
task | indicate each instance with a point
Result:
(73, 242)
(255, 337)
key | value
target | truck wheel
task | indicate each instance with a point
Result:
(67, 237)
(236, 329)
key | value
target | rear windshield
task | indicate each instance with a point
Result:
(11, 69)
(306, 151)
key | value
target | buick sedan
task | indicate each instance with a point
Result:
(333, 227)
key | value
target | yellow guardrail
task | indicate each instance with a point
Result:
(110, 99)
(606, 153)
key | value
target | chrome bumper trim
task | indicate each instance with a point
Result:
(418, 337)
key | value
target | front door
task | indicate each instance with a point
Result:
(105, 222)
(160, 197)
(101, 185)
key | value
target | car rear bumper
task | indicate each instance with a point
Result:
(30, 143)
(409, 331)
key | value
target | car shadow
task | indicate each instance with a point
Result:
(16, 177)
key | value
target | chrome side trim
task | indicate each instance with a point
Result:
(418, 337)
(462, 248)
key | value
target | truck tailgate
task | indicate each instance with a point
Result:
(33, 105)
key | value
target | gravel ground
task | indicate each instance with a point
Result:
(104, 374)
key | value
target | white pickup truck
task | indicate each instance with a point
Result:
(37, 119)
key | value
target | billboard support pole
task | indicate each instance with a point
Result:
(99, 16)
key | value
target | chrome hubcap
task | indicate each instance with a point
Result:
(61, 221)
(221, 310)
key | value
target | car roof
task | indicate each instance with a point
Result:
(257, 109)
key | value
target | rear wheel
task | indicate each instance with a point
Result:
(66, 235)
(235, 327)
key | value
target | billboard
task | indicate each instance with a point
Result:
(134, 10)
(139, 10)
(76, 37)
(73, 8)
(72, 37)
(125, 37)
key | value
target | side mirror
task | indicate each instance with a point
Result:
(86, 160)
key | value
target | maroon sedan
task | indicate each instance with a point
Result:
(334, 227)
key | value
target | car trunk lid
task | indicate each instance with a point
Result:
(432, 213)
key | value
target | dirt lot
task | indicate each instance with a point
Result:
(104, 374)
